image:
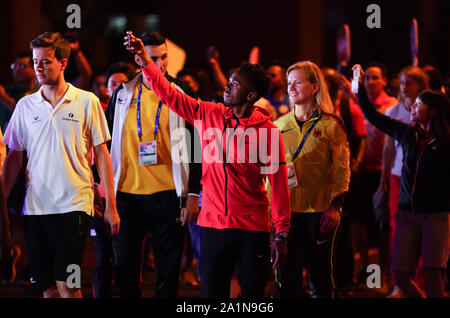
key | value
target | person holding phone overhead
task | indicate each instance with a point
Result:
(235, 209)
(423, 217)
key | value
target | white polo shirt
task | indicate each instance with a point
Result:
(58, 142)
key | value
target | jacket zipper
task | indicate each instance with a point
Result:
(413, 190)
(225, 167)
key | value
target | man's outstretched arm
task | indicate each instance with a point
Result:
(185, 106)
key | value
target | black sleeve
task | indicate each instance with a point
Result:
(394, 128)
(109, 113)
(195, 169)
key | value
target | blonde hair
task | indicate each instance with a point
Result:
(315, 76)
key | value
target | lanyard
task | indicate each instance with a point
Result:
(297, 152)
(158, 113)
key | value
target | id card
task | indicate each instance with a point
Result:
(148, 154)
(292, 177)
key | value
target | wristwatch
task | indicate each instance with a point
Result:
(281, 237)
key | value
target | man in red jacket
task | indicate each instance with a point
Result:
(241, 147)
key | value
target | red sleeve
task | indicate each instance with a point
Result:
(277, 175)
(359, 127)
(185, 106)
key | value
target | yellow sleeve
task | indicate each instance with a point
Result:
(340, 176)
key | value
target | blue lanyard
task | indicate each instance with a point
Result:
(297, 152)
(158, 113)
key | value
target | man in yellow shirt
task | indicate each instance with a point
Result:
(150, 186)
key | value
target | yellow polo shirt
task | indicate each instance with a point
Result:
(146, 179)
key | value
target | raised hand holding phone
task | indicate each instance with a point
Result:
(358, 73)
(355, 80)
(135, 46)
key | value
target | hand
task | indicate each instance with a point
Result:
(383, 187)
(361, 72)
(112, 219)
(278, 253)
(212, 55)
(346, 88)
(330, 219)
(74, 46)
(137, 48)
(190, 212)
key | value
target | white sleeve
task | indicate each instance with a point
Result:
(98, 125)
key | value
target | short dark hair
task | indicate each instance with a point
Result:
(120, 67)
(279, 63)
(257, 77)
(441, 122)
(55, 41)
(381, 66)
(153, 38)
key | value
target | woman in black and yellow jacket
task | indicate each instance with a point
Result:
(423, 217)
(317, 154)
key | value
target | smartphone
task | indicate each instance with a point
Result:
(355, 81)
(129, 39)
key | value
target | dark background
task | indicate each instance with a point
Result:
(288, 30)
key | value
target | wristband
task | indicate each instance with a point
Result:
(281, 237)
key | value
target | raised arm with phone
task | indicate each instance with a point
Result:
(235, 202)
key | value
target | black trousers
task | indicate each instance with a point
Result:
(102, 244)
(221, 250)
(310, 249)
(156, 213)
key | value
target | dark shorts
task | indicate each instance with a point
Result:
(425, 235)
(53, 242)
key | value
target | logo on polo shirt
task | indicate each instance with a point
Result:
(70, 117)
(36, 119)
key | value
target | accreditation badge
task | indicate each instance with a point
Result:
(148, 154)
(292, 177)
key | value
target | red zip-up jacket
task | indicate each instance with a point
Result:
(234, 195)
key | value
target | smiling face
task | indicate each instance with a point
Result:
(300, 89)
(48, 68)
(374, 81)
(236, 91)
(421, 113)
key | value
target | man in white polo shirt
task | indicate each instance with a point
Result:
(57, 127)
